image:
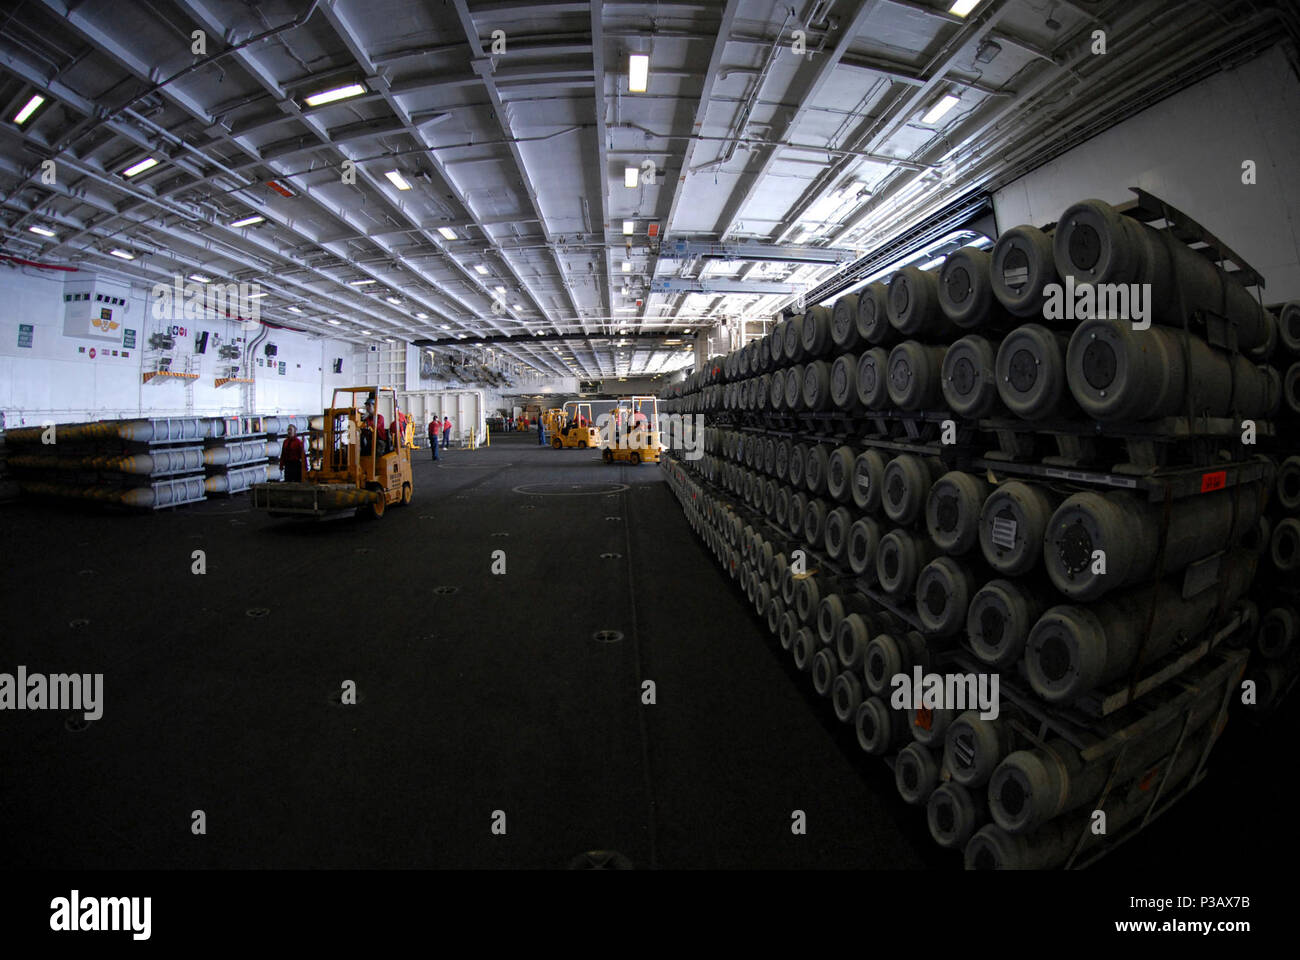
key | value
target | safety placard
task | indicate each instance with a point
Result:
(25, 333)
(1214, 481)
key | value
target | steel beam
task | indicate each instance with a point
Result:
(719, 285)
(752, 251)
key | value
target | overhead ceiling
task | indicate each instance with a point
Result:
(805, 129)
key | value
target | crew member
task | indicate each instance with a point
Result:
(373, 427)
(433, 436)
(446, 432)
(293, 458)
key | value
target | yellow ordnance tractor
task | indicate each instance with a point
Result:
(353, 466)
(634, 425)
(572, 426)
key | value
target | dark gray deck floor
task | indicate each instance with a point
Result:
(495, 697)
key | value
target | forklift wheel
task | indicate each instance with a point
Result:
(375, 509)
(557, 443)
(406, 494)
(582, 444)
(607, 455)
(635, 458)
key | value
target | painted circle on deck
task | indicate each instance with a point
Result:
(556, 489)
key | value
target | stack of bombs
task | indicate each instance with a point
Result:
(944, 559)
(1275, 659)
(983, 338)
(145, 464)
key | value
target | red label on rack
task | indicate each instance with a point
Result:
(1214, 481)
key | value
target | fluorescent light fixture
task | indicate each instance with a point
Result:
(29, 109)
(294, 310)
(517, 306)
(499, 289)
(629, 226)
(446, 326)
(963, 7)
(627, 266)
(638, 72)
(334, 322)
(360, 283)
(421, 316)
(940, 109)
(200, 278)
(334, 95)
(631, 176)
(254, 296)
(122, 254)
(367, 333)
(624, 310)
(481, 270)
(248, 221)
(393, 299)
(687, 330)
(388, 340)
(397, 180)
(43, 231)
(140, 167)
(447, 232)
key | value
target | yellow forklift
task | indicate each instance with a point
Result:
(572, 426)
(352, 465)
(633, 432)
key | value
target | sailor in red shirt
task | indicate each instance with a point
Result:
(373, 425)
(293, 458)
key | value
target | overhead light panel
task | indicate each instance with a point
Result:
(200, 278)
(499, 289)
(627, 266)
(295, 310)
(397, 180)
(43, 231)
(940, 109)
(446, 326)
(333, 322)
(517, 306)
(480, 269)
(248, 221)
(393, 299)
(122, 254)
(335, 95)
(447, 232)
(254, 296)
(638, 72)
(421, 316)
(631, 176)
(140, 167)
(629, 226)
(28, 109)
(360, 283)
(963, 7)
